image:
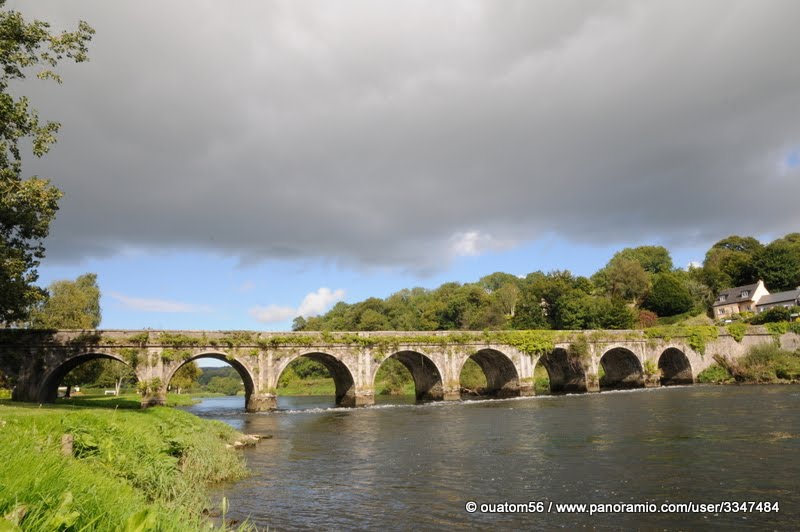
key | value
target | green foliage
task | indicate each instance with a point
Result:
(186, 376)
(775, 314)
(179, 340)
(393, 378)
(729, 263)
(697, 336)
(714, 374)
(69, 305)
(27, 206)
(472, 377)
(140, 339)
(169, 354)
(737, 330)
(652, 259)
(778, 264)
(623, 278)
(148, 387)
(668, 296)
(765, 363)
(225, 385)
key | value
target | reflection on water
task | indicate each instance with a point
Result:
(409, 466)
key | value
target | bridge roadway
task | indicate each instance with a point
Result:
(576, 361)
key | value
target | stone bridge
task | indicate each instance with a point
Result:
(36, 361)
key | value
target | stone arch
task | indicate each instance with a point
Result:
(502, 378)
(48, 391)
(426, 374)
(241, 369)
(622, 369)
(675, 367)
(341, 374)
(566, 373)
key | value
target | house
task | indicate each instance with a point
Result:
(781, 299)
(739, 299)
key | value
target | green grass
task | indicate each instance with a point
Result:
(309, 386)
(128, 401)
(128, 470)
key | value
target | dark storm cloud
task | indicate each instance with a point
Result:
(406, 132)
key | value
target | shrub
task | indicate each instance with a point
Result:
(772, 315)
(714, 374)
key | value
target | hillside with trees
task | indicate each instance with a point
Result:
(638, 287)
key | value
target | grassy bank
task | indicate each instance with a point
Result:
(128, 469)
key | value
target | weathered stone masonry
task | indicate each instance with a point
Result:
(37, 361)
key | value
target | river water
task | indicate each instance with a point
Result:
(401, 466)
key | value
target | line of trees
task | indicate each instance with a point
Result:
(634, 289)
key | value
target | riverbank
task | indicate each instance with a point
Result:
(92, 468)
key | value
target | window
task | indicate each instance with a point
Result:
(723, 297)
(745, 293)
(722, 311)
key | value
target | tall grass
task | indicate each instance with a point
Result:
(128, 469)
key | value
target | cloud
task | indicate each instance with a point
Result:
(474, 243)
(313, 304)
(264, 131)
(273, 313)
(318, 302)
(157, 305)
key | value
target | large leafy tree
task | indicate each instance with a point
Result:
(27, 205)
(778, 264)
(186, 376)
(70, 305)
(730, 262)
(668, 296)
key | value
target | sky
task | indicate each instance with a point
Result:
(234, 165)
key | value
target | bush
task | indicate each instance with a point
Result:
(766, 363)
(772, 315)
(714, 374)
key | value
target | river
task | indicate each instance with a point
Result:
(402, 466)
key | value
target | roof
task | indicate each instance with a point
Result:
(780, 297)
(734, 295)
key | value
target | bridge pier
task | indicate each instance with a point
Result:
(357, 399)
(526, 389)
(261, 402)
(157, 398)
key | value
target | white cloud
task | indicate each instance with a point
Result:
(474, 243)
(157, 305)
(272, 313)
(318, 302)
(313, 304)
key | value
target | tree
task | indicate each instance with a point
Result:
(27, 206)
(70, 305)
(668, 296)
(730, 262)
(115, 373)
(653, 259)
(778, 264)
(624, 279)
(186, 376)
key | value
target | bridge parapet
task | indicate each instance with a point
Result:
(575, 361)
